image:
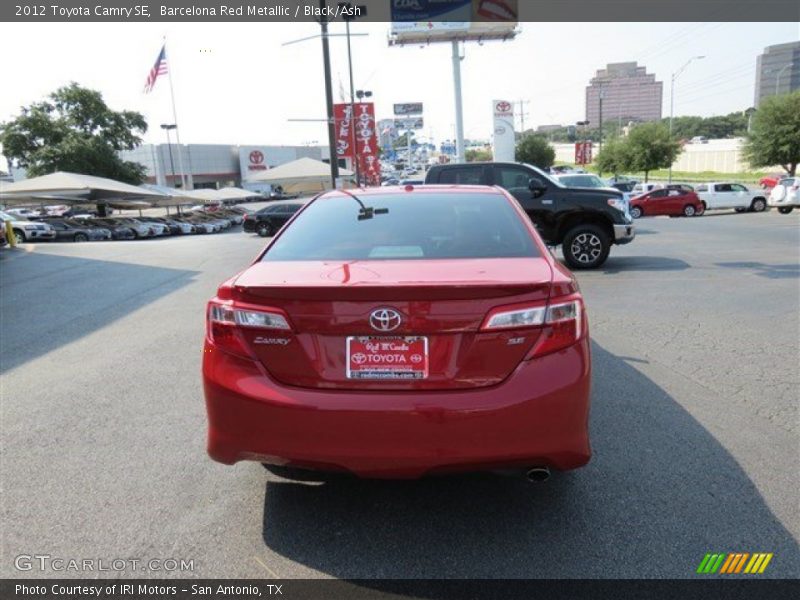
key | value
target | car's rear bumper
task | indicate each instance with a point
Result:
(538, 416)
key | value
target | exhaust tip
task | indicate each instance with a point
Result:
(537, 474)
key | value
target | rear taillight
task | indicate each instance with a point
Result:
(561, 323)
(226, 320)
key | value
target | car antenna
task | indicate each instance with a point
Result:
(365, 212)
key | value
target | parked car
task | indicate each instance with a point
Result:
(199, 226)
(721, 195)
(75, 231)
(398, 333)
(623, 186)
(25, 213)
(589, 180)
(643, 188)
(140, 230)
(118, 232)
(267, 221)
(28, 231)
(585, 222)
(673, 202)
(235, 217)
(770, 181)
(785, 195)
(172, 228)
(390, 181)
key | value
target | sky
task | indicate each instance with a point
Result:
(236, 83)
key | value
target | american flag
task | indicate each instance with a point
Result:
(160, 68)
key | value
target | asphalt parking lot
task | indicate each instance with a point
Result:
(694, 425)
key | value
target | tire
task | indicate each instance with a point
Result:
(586, 247)
(785, 210)
(81, 237)
(636, 212)
(264, 229)
(758, 205)
(19, 236)
(689, 211)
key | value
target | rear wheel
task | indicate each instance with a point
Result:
(81, 237)
(19, 236)
(785, 210)
(264, 229)
(636, 212)
(758, 205)
(688, 210)
(586, 247)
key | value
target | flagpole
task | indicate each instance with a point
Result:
(175, 118)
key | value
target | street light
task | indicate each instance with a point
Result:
(166, 127)
(675, 75)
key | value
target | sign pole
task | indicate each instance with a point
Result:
(326, 62)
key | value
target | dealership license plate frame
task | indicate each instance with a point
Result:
(385, 373)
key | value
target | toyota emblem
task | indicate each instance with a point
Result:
(256, 157)
(385, 319)
(503, 106)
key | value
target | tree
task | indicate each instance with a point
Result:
(74, 130)
(648, 147)
(478, 155)
(774, 138)
(614, 157)
(535, 150)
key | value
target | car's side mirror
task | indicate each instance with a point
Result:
(536, 186)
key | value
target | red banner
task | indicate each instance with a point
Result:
(358, 129)
(583, 153)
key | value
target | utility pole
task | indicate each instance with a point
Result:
(600, 126)
(522, 114)
(326, 61)
(459, 133)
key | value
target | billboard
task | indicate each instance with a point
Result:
(503, 138)
(357, 138)
(426, 21)
(412, 123)
(408, 108)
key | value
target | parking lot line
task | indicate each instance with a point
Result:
(272, 573)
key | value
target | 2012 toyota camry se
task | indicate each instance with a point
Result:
(399, 332)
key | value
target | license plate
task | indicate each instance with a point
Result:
(387, 357)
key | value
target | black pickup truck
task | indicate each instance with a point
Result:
(585, 221)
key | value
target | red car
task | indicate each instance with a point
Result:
(394, 333)
(770, 181)
(675, 201)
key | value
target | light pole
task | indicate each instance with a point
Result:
(166, 127)
(675, 75)
(600, 126)
(349, 15)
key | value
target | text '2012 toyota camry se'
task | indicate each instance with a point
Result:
(399, 332)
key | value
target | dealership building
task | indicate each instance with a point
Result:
(216, 165)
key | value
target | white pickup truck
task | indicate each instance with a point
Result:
(731, 195)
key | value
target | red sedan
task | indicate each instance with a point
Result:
(675, 201)
(395, 333)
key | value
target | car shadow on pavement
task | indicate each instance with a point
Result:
(786, 271)
(618, 264)
(659, 493)
(38, 316)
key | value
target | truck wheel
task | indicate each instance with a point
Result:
(586, 247)
(636, 212)
(758, 205)
(785, 210)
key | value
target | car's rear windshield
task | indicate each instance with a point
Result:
(416, 226)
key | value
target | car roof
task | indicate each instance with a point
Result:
(395, 189)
